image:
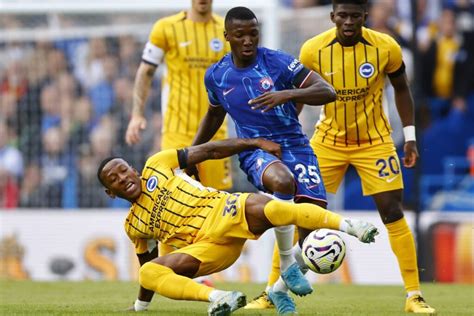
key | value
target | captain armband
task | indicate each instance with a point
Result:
(152, 54)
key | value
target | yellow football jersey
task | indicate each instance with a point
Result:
(189, 49)
(357, 73)
(172, 207)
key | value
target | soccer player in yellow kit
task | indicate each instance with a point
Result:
(354, 130)
(206, 227)
(188, 43)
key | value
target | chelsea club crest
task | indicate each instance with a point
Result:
(266, 84)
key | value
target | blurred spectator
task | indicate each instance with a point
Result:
(82, 122)
(102, 93)
(31, 194)
(89, 66)
(427, 11)
(55, 165)
(90, 192)
(51, 107)
(129, 56)
(11, 167)
(56, 63)
(382, 18)
(438, 63)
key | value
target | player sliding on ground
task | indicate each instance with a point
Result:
(208, 228)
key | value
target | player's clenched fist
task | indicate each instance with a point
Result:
(135, 126)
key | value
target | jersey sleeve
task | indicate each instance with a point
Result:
(395, 60)
(306, 57)
(157, 35)
(289, 65)
(211, 93)
(166, 158)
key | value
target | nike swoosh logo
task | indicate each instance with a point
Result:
(226, 92)
(184, 44)
(391, 179)
(329, 73)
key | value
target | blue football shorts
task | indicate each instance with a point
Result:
(302, 163)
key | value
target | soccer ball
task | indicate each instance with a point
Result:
(323, 251)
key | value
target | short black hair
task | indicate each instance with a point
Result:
(362, 3)
(239, 13)
(102, 165)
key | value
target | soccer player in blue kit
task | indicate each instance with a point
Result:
(259, 88)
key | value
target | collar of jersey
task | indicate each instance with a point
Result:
(249, 66)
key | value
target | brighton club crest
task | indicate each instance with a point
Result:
(216, 45)
(366, 70)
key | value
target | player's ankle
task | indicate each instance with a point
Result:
(413, 293)
(344, 225)
(139, 305)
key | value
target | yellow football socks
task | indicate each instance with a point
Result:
(163, 280)
(275, 269)
(403, 245)
(305, 215)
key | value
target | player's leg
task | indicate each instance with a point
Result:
(198, 259)
(379, 169)
(332, 167)
(310, 189)
(277, 178)
(269, 174)
(402, 242)
(263, 213)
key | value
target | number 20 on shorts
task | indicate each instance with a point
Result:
(386, 165)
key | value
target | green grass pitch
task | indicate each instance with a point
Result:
(112, 298)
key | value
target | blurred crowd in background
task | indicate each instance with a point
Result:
(65, 104)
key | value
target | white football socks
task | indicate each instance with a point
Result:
(284, 236)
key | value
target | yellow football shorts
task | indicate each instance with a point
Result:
(378, 166)
(221, 238)
(213, 173)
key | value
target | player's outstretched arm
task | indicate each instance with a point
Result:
(141, 89)
(226, 148)
(405, 107)
(313, 90)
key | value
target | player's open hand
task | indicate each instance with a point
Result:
(270, 147)
(135, 126)
(411, 154)
(269, 100)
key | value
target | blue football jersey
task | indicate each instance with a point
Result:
(232, 88)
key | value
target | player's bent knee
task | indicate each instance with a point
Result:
(148, 275)
(278, 178)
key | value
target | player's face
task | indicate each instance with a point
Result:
(121, 180)
(349, 19)
(243, 37)
(202, 6)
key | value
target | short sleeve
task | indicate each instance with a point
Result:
(289, 65)
(395, 59)
(306, 57)
(166, 158)
(158, 35)
(211, 93)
